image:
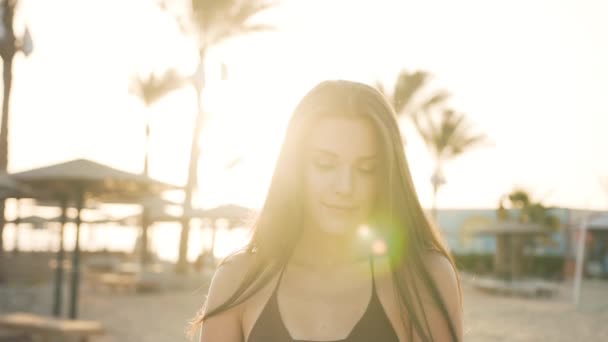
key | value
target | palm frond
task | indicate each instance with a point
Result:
(406, 87)
(519, 198)
(233, 31)
(437, 99)
(447, 133)
(154, 87)
(217, 20)
(430, 133)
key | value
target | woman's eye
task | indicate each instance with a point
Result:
(368, 168)
(323, 164)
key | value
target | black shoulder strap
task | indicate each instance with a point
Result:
(371, 266)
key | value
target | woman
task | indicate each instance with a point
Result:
(342, 250)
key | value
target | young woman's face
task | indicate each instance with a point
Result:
(340, 174)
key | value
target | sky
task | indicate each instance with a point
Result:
(531, 75)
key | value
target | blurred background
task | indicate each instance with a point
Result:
(138, 139)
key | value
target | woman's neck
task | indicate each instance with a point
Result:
(317, 249)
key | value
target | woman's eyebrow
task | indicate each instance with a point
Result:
(321, 150)
(324, 151)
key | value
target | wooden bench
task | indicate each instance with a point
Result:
(48, 328)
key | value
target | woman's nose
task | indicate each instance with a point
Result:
(344, 182)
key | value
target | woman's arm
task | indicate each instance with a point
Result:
(224, 326)
(446, 280)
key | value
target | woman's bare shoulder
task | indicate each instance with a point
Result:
(445, 278)
(440, 267)
(227, 279)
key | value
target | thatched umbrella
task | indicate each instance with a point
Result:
(39, 222)
(152, 210)
(13, 189)
(9, 187)
(235, 214)
(150, 218)
(75, 180)
(62, 201)
(155, 211)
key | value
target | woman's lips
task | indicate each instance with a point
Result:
(340, 209)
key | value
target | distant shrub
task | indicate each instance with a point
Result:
(540, 266)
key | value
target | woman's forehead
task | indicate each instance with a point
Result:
(346, 136)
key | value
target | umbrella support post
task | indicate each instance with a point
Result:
(145, 223)
(76, 259)
(58, 285)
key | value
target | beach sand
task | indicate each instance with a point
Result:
(156, 317)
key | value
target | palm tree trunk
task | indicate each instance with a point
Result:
(145, 225)
(147, 152)
(213, 236)
(436, 181)
(434, 209)
(182, 261)
(145, 222)
(7, 60)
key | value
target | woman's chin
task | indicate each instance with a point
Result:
(338, 228)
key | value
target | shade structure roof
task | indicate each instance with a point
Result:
(92, 177)
(513, 228)
(155, 208)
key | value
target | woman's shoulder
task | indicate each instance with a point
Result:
(227, 278)
(444, 276)
(237, 261)
(438, 264)
(445, 285)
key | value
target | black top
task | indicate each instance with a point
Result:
(374, 325)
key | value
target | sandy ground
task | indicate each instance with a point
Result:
(164, 316)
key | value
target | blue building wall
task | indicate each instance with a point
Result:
(459, 227)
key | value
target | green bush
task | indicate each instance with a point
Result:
(475, 263)
(545, 266)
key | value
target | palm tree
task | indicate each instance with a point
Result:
(9, 46)
(447, 136)
(509, 259)
(150, 90)
(530, 211)
(408, 96)
(211, 22)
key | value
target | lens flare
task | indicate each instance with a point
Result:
(364, 232)
(379, 247)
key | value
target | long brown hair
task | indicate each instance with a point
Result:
(398, 215)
